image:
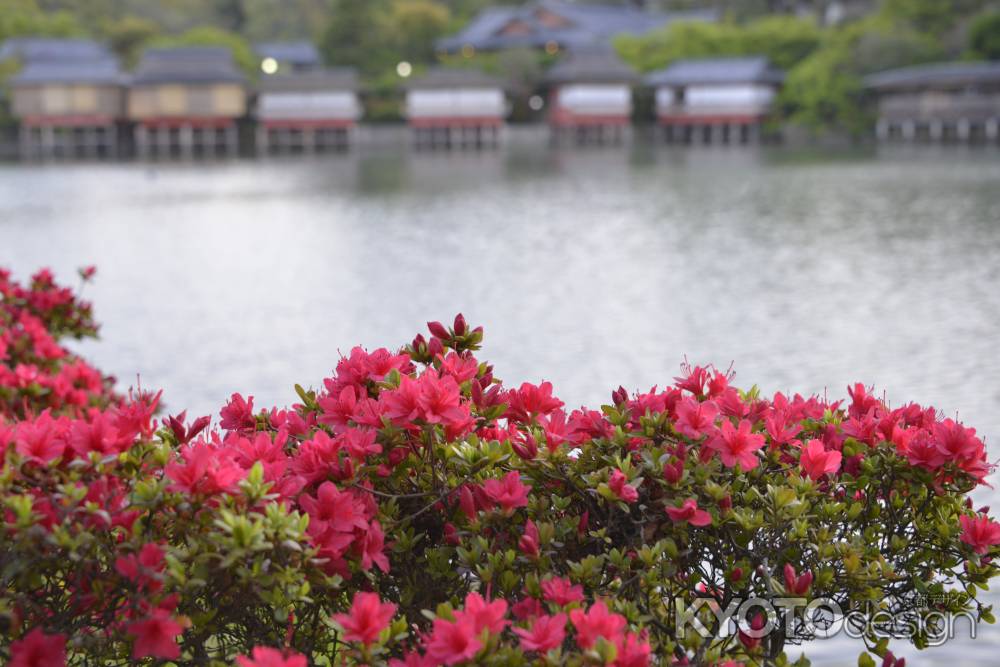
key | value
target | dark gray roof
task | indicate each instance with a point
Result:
(46, 49)
(585, 24)
(716, 70)
(103, 72)
(453, 77)
(937, 75)
(595, 65)
(339, 78)
(187, 64)
(299, 54)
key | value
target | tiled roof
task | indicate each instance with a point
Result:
(454, 77)
(944, 75)
(591, 65)
(46, 49)
(585, 24)
(716, 70)
(339, 78)
(188, 64)
(92, 72)
(299, 54)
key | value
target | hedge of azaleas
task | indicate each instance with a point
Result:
(415, 511)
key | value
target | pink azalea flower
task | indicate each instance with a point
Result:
(529, 540)
(695, 419)
(561, 591)
(596, 622)
(156, 636)
(37, 649)
(980, 532)
(738, 447)
(688, 512)
(485, 615)
(366, 619)
(451, 642)
(508, 492)
(816, 461)
(262, 656)
(797, 584)
(621, 488)
(545, 634)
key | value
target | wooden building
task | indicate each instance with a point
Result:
(590, 96)
(186, 101)
(556, 25)
(939, 102)
(715, 100)
(307, 111)
(456, 108)
(68, 96)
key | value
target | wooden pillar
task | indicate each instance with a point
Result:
(162, 135)
(141, 141)
(48, 142)
(261, 144)
(25, 148)
(232, 141)
(186, 139)
(963, 129)
(935, 130)
(992, 129)
(882, 129)
(909, 129)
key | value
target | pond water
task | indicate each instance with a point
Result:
(590, 268)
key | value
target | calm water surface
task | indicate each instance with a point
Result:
(588, 268)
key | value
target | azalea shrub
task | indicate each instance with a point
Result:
(413, 510)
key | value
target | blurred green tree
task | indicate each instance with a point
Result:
(128, 35)
(412, 27)
(785, 40)
(984, 36)
(355, 35)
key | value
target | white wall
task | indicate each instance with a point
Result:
(456, 103)
(597, 99)
(718, 98)
(336, 105)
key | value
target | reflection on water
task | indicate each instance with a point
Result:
(589, 268)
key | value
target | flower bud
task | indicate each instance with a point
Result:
(460, 326)
(437, 330)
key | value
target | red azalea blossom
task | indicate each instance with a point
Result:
(561, 591)
(596, 622)
(545, 633)
(797, 584)
(529, 540)
(156, 636)
(485, 615)
(262, 656)
(451, 642)
(816, 461)
(689, 512)
(695, 419)
(738, 447)
(618, 483)
(37, 649)
(508, 492)
(366, 619)
(979, 532)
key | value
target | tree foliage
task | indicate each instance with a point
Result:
(984, 36)
(784, 40)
